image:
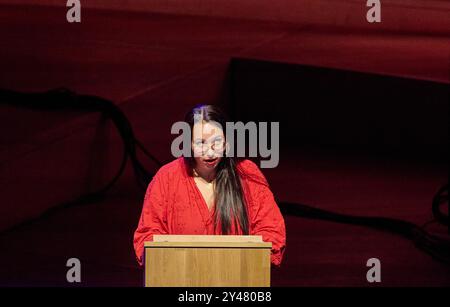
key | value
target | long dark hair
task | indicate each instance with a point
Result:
(230, 206)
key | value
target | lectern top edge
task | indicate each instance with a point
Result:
(207, 238)
(150, 244)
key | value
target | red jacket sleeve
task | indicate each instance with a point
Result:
(266, 218)
(153, 218)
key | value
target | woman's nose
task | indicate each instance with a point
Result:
(210, 152)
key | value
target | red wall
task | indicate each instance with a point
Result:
(425, 16)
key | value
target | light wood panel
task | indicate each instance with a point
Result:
(216, 263)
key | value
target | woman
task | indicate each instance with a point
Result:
(210, 193)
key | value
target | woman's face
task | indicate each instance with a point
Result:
(208, 144)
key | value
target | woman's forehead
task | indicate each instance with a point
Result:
(207, 129)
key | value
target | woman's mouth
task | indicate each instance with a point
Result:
(211, 161)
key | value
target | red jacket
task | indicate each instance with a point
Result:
(174, 205)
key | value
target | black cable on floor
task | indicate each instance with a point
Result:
(64, 100)
(437, 246)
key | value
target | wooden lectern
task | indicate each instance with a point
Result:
(207, 261)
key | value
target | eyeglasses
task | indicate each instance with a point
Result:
(217, 145)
